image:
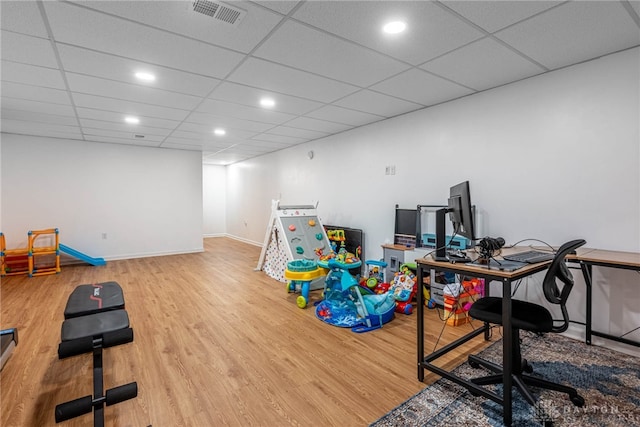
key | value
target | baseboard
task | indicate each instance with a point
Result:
(206, 236)
(242, 239)
(153, 254)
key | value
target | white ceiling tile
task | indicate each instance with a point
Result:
(283, 6)
(297, 133)
(279, 138)
(207, 132)
(124, 127)
(34, 117)
(274, 77)
(265, 144)
(122, 141)
(23, 127)
(181, 146)
(83, 61)
(128, 108)
(483, 64)
(346, 116)
(116, 118)
(223, 109)
(251, 96)
(495, 15)
(319, 125)
(331, 56)
(49, 133)
(215, 121)
(131, 92)
(31, 75)
(35, 93)
(27, 50)
(178, 17)
(377, 103)
(573, 32)
(90, 132)
(36, 107)
(421, 87)
(431, 30)
(635, 5)
(94, 30)
(22, 17)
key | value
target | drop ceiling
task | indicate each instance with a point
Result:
(68, 66)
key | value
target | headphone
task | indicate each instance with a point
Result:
(488, 246)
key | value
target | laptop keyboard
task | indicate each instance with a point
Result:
(530, 257)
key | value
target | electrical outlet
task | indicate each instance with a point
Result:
(393, 169)
(387, 170)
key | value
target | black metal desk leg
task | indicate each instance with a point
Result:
(507, 361)
(420, 316)
(587, 271)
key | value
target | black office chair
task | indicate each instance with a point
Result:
(530, 317)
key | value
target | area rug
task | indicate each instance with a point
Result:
(609, 382)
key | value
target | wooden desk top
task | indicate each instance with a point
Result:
(398, 247)
(480, 270)
(613, 258)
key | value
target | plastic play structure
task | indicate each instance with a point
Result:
(348, 305)
(300, 273)
(38, 258)
(293, 233)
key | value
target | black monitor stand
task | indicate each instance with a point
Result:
(441, 250)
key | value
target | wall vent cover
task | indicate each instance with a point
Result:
(219, 11)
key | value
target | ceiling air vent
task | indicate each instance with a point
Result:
(219, 11)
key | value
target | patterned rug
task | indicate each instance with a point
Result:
(608, 381)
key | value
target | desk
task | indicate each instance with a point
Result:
(426, 264)
(610, 259)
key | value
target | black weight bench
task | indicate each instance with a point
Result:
(95, 319)
(95, 298)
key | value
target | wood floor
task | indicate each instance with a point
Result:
(216, 344)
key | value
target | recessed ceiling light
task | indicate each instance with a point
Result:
(132, 120)
(394, 27)
(147, 77)
(267, 102)
(219, 131)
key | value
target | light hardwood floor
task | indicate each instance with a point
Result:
(216, 343)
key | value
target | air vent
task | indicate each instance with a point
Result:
(138, 136)
(219, 11)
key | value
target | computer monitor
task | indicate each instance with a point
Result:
(406, 220)
(460, 213)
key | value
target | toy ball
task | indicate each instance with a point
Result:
(431, 304)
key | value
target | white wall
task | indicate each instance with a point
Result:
(148, 201)
(573, 132)
(214, 200)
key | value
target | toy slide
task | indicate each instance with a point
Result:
(81, 256)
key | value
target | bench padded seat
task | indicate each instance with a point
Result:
(94, 325)
(94, 298)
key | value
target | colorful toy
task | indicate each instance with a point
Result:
(374, 274)
(300, 274)
(404, 288)
(344, 304)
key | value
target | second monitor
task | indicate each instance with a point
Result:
(460, 213)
